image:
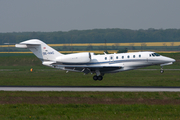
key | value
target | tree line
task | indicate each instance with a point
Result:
(95, 36)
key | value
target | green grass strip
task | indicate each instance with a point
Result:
(89, 112)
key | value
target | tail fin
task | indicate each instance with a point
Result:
(40, 49)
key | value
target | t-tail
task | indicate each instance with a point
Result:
(44, 52)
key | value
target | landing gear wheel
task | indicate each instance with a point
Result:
(100, 78)
(95, 77)
(162, 71)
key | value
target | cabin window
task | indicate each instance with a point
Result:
(105, 58)
(128, 56)
(122, 57)
(139, 55)
(111, 58)
(134, 56)
(116, 57)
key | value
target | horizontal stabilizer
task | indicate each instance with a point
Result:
(26, 45)
(20, 46)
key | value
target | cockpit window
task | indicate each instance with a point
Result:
(156, 54)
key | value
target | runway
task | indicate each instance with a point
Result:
(90, 88)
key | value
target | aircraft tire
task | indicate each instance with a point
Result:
(100, 78)
(162, 71)
(95, 77)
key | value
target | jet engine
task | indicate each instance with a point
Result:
(75, 58)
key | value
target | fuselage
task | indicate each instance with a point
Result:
(128, 61)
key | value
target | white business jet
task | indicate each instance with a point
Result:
(87, 62)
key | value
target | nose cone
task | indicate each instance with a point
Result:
(173, 60)
(167, 59)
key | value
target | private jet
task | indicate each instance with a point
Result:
(88, 62)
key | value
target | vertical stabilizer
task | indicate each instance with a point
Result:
(40, 49)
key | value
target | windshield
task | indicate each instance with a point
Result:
(156, 54)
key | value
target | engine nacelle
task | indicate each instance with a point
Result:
(75, 58)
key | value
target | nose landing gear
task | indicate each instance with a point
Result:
(162, 71)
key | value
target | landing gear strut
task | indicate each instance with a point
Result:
(95, 77)
(162, 71)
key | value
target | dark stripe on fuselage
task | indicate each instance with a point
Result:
(110, 62)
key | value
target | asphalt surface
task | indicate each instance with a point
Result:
(90, 88)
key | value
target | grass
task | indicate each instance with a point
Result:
(45, 106)
(60, 78)
(42, 96)
(89, 112)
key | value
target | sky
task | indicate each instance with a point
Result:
(66, 15)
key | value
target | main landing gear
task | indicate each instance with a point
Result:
(95, 77)
(98, 76)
